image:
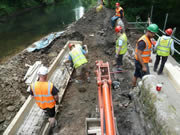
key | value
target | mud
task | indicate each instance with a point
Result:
(77, 105)
(13, 88)
(81, 99)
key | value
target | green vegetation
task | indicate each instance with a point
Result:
(10, 6)
(142, 9)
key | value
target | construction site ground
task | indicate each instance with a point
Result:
(81, 99)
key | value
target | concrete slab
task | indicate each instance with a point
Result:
(36, 120)
(30, 119)
(161, 108)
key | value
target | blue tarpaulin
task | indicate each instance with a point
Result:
(44, 42)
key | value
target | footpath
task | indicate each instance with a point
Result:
(162, 108)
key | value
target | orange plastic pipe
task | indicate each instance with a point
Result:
(101, 110)
(109, 122)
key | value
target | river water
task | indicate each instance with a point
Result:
(21, 31)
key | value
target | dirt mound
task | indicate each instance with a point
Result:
(13, 88)
(76, 106)
(81, 99)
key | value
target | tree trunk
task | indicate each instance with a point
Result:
(109, 3)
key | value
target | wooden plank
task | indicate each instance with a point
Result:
(62, 91)
(34, 75)
(20, 116)
(32, 69)
(92, 126)
(94, 131)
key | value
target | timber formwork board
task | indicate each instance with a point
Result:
(30, 120)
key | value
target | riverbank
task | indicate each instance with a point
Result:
(95, 31)
(12, 72)
(20, 31)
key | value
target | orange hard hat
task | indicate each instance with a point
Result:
(118, 29)
(169, 31)
(117, 4)
(70, 45)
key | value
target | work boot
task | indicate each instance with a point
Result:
(154, 69)
(55, 124)
(159, 73)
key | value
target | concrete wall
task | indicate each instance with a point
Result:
(163, 115)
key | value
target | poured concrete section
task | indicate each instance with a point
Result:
(30, 120)
(173, 72)
(162, 108)
(36, 120)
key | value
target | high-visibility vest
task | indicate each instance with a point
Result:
(42, 94)
(118, 11)
(123, 50)
(147, 51)
(164, 47)
(78, 57)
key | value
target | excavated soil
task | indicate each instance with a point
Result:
(81, 99)
(78, 104)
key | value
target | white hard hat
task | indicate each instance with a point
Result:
(43, 71)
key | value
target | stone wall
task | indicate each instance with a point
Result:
(161, 117)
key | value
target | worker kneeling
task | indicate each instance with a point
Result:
(77, 56)
(45, 94)
(121, 46)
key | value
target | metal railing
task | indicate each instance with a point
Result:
(176, 40)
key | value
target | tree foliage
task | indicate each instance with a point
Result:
(10, 6)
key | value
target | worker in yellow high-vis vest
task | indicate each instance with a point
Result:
(121, 46)
(77, 56)
(164, 47)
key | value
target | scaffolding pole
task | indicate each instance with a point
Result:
(165, 22)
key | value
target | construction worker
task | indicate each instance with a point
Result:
(45, 95)
(143, 53)
(101, 2)
(77, 56)
(119, 14)
(163, 48)
(121, 46)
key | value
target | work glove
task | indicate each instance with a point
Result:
(64, 61)
(116, 56)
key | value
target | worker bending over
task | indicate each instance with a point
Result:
(164, 47)
(119, 14)
(121, 46)
(143, 53)
(77, 56)
(45, 94)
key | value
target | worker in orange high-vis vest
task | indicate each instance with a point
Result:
(45, 95)
(119, 14)
(143, 53)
